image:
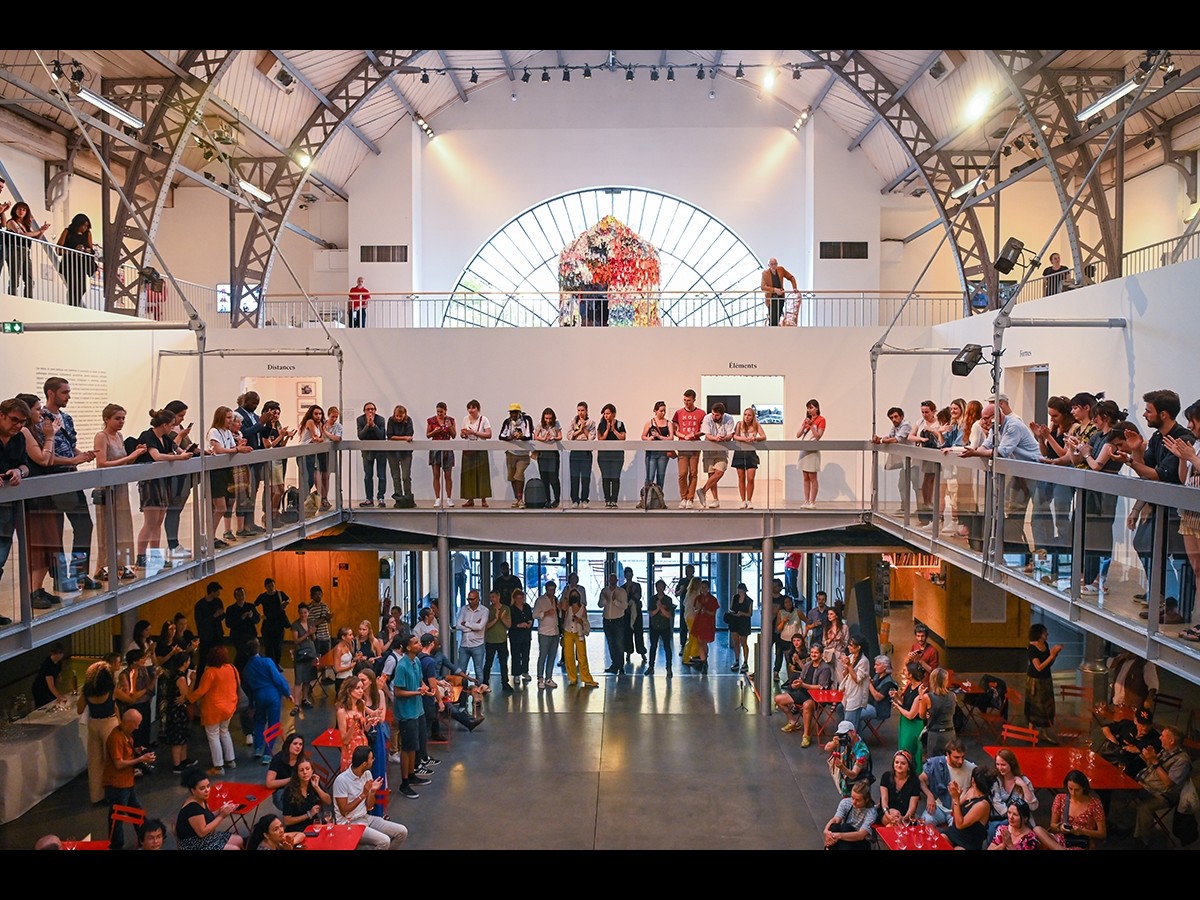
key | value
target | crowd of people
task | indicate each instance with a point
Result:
(700, 470)
(1084, 431)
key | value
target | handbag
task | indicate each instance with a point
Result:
(306, 651)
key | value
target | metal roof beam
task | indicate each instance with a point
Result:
(316, 92)
(446, 67)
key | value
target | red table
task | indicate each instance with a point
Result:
(974, 714)
(248, 797)
(895, 837)
(333, 837)
(329, 740)
(827, 702)
(1046, 767)
(85, 845)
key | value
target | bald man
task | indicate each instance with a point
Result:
(773, 277)
(120, 758)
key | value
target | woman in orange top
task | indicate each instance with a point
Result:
(217, 694)
(351, 718)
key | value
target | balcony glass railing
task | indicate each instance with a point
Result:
(1061, 537)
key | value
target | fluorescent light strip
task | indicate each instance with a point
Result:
(966, 188)
(1108, 99)
(254, 191)
(111, 108)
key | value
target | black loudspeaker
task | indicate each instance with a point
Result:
(1009, 256)
(860, 616)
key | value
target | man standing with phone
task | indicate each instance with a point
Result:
(66, 457)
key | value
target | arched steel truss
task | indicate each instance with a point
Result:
(173, 108)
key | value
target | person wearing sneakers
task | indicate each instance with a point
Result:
(372, 427)
(545, 613)
(796, 702)
(685, 426)
(409, 688)
(716, 427)
(517, 427)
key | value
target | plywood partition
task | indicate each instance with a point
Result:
(979, 625)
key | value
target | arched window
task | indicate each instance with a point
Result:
(708, 274)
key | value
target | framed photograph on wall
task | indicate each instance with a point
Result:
(302, 407)
(307, 390)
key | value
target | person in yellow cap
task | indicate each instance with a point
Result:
(517, 427)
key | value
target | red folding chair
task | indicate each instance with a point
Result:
(271, 734)
(134, 815)
(1018, 733)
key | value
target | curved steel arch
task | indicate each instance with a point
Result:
(282, 176)
(1068, 148)
(935, 167)
(711, 261)
(173, 108)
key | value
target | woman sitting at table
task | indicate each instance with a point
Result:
(196, 826)
(850, 827)
(283, 765)
(1018, 831)
(1010, 785)
(899, 791)
(269, 834)
(1077, 817)
(303, 798)
(970, 810)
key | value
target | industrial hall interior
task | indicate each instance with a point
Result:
(306, 542)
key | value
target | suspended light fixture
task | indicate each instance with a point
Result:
(424, 77)
(700, 73)
(670, 74)
(474, 76)
(740, 73)
(105, 105)
(1125, 87)
(629, 73)
(525, 77)
(566, 74)
(587, 71)
(654, 73)
(255, 191)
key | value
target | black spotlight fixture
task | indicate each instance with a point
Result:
(474, 76)
(566, 74)
(1009, 256)
(56, 70)
(968, 358)
(700, 73)
(587, 71)
(1149, 142)
(654, 73)
(1007, 150)
(424, 77)
(629, 73)
(795, 73)
(670, 74)
(545, 77)
(525, 77)
(1019, 143)
(740, 73)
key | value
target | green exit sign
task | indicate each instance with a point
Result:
(13, 327)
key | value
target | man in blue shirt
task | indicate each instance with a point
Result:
(409, 688)
(1012, 440)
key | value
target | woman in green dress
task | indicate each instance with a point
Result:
(913, 706)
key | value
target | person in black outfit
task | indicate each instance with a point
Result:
(1055, 275)
(635, 633)
(209, 614)
(252, 428)
(372, 427)
(242, 619)
(274, 618)
(506, 583)
(45, 683)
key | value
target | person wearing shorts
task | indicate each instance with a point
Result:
(717, 427)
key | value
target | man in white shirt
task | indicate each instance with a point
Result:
(472, 622)
(615, 603)
(353, 793)
(717, 426)
(545, 613)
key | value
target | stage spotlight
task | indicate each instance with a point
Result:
(1010, 255)
(968, 358)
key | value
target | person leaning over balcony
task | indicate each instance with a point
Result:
(371, 427)
(23, 232)
(582, 428)
(78, 263)
(109, 446)
(475, 480)
(440, 427)
(774, 295)
(898, 434)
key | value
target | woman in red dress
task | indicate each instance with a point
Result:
(704, 626)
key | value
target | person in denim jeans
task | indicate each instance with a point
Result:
(657, 429)
(372, 427)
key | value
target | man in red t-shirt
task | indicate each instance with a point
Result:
(924, 653)
(685, 426)
(359, 295)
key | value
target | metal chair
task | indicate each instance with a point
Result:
(1170, 701)
(134, 815)
(1018, 733)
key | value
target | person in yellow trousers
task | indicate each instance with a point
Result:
(576, 628)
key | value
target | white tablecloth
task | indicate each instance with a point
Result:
(38, 755)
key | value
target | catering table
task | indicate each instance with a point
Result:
(248, 797)
(85, 845)
(38, 755)
(1046, 767)
(827, 702)
(912, 837)
(333, 837)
